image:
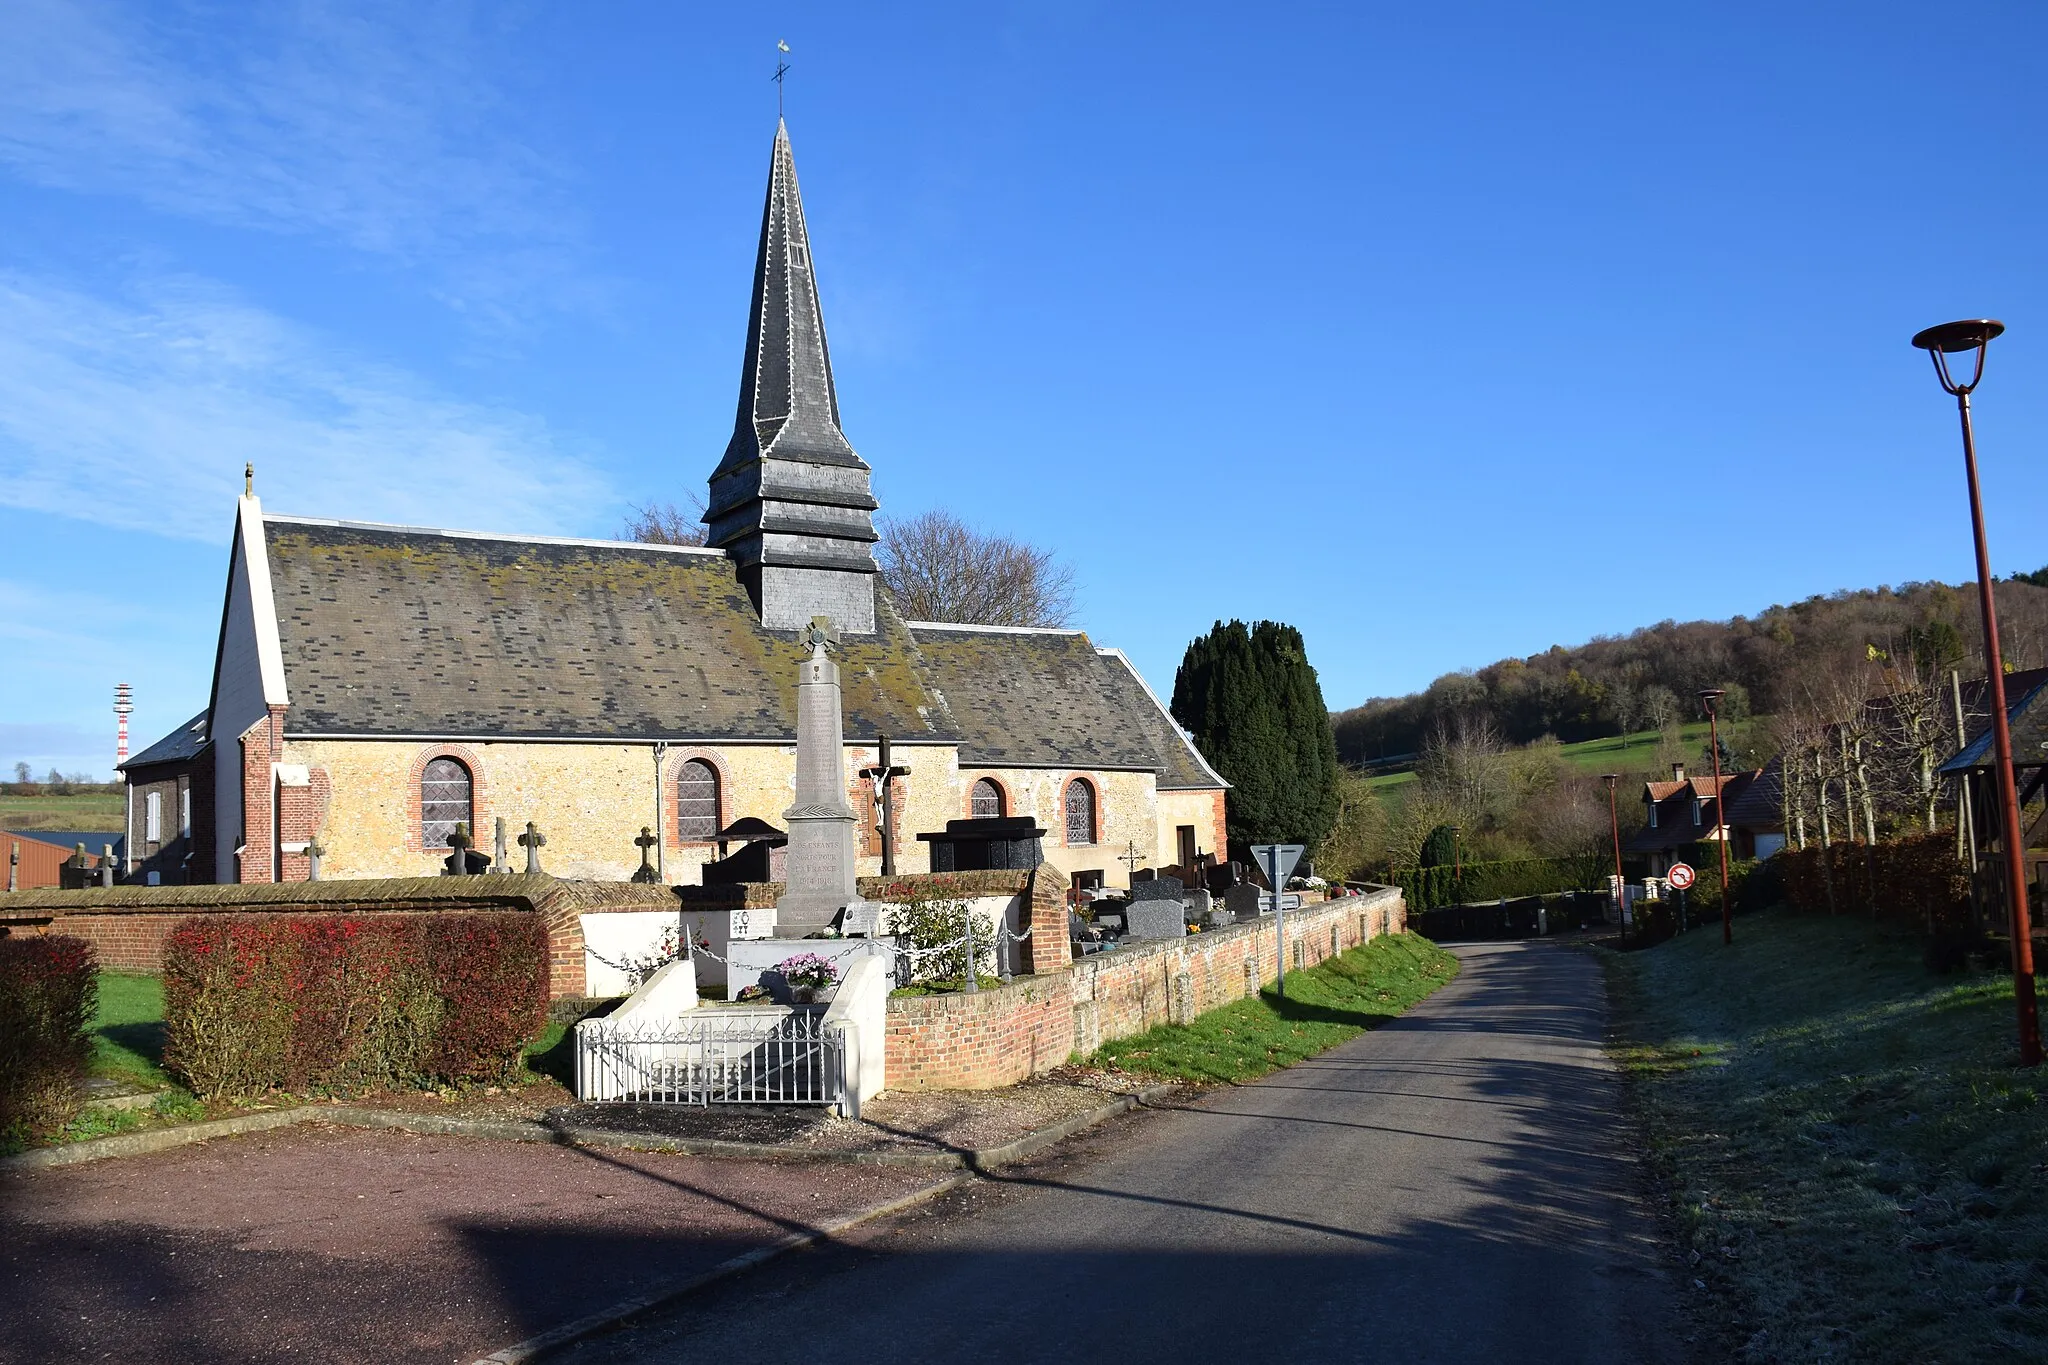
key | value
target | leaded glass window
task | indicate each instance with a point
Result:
(445, 801)
(986, 800)
(697, 802)
(1080, 812)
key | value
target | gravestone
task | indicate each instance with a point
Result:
(532, 841)
(1242, 901)
(861, 919)
(821, 823)
(646, 841)
(1158, 889)
(1004, 843)
(1156, 919)
(500, 864)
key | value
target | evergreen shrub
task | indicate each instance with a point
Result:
(49, 989)
(344, 1003)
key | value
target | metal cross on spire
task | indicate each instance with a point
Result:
(781, 70)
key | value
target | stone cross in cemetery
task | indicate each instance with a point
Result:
(532, 841)
(646, 842)
(457, 864)
(821, 824)
(106, 864)
(500, 864)
(13, 866)
(883, 773)
(1131, 857)
(314, 853)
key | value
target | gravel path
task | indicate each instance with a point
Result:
(343, 1245)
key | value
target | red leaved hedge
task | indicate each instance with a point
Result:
(351, 1002)
(49, 989)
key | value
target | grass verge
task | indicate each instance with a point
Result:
(128, 1030)
(1327, 1004)
(1860, 1170)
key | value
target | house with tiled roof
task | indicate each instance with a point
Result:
(374, 685)
(1687, 813)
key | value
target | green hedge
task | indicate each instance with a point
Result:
(1429, 887)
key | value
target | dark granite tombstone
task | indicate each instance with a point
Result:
(759, 859)
(1242, 901)
(1159, 889)
(1006, 843)
(1221, 877)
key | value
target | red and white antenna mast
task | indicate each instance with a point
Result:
(124, 703)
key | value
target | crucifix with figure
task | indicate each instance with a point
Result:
(883, 773)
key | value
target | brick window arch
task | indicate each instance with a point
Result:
(985, 800)
(447, 798)
(1080, 811)
(699, 809)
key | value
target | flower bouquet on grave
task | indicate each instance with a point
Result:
(811, 978)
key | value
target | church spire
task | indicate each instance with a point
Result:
(790, 501)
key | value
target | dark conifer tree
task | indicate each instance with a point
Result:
(1251, 700)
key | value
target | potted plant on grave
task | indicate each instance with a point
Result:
(812, 979)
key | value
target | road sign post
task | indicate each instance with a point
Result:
(1276, 861)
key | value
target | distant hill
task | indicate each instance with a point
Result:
(1617, 685)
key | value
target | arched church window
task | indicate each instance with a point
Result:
(446, 800)
(1080, 812)
(985, 802)
(697, 802)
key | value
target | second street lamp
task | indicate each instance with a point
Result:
(1954, 338)
(1709, 697)
(1614, 824)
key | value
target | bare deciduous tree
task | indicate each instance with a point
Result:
(664, 523)
(938, 568)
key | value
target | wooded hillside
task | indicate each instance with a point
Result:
(1620, 684)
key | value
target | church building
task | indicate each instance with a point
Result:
(376, 685)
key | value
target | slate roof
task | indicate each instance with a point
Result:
(1674, 811)
(1049, 698)
(180, 744)
(408, 631)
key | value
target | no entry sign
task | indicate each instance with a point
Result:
(1680, 876)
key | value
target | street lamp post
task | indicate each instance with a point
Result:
(1952, 338)
(1708, 698)
(1614, 824)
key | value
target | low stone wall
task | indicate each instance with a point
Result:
(1005, 1035)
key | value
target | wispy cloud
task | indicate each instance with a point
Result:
(377, 125)
(139, 413)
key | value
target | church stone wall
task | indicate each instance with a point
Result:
(590, 800)
(1203, 810)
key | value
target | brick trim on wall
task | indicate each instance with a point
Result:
(479, 795)
(974, 779)
(672, 796)
(1095, 827)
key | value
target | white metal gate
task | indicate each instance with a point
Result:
(714, 1056)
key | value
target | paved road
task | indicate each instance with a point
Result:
(1449, 1188)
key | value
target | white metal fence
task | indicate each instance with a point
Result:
(714, 1056)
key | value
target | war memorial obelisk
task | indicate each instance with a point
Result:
(820, 866)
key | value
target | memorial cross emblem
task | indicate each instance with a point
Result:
(819, 635)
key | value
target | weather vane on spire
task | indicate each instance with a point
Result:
(781, 70)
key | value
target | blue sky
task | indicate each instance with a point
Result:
(1444, 332)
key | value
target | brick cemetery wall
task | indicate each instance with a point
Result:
(1005, 1035)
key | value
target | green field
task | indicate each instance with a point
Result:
(96, 811)
(1854, 1158)
(1626, 753)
